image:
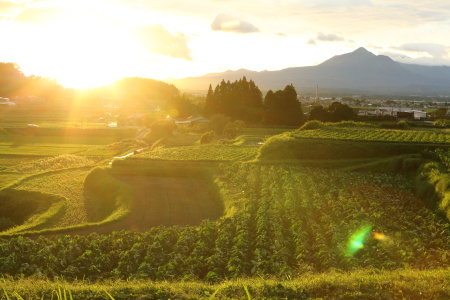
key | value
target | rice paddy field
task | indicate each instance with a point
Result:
(225, 221)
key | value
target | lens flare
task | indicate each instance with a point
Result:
(379, 236)
(356, 241)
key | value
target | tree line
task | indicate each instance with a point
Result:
(243, 100)
(238, 100)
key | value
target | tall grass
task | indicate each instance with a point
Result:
(361, 284)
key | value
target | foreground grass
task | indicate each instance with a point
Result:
(361, 284)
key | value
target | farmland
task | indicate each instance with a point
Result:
(234, 220)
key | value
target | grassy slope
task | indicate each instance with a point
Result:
(361, 284)
(348, 140)
(65, 183)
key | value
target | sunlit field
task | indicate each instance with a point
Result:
(210, 215)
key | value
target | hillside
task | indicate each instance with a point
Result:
(359, 72)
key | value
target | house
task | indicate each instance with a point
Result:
(401, 112)
(6, 102)
(198, 120)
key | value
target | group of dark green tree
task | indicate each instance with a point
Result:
(242, 100)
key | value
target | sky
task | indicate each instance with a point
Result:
(89, 43)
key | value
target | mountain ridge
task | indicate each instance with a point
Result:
(359, 71)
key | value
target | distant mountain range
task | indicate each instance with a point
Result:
(359, 72)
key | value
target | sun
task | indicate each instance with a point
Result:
(89, 47)
(81, 53)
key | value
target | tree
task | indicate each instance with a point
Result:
(218, 122)
(340, 112)
(160, 129)
(241, 99)
(319, 113)
(335, 112)
(209, 103)
(282, 107)
(440, 113)
(11, 79)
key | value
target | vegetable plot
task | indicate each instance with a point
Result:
(294, 220)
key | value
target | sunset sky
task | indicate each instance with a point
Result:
(87, 43)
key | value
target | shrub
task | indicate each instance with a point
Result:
(310, 125)
(163, 127)
(353, 124)
(207, 137)
(239, 124)
(402, 125)
(399, 125)
(160, 129)
(442, 123)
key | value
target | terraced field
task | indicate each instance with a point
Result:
(203, 152)
(210, 213)
(377, 134)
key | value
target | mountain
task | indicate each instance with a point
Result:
(359, 71)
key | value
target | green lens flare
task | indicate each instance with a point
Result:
(356, 241)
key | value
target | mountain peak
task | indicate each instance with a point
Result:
(361, 50)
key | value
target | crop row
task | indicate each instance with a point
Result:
(382, 135)
(203, 152)
(294, 220)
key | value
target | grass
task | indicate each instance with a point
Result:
(68, 184)
(49, 145)
(361, 284)
(27, 210)
(53, 163)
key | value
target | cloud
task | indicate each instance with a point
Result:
(156, 39)
(223, 22)
(312, 42)
(7, 8)
(434, 50)
(420, 53)
(42, 15)
(331, 37)
(326, 37)
(280, 34)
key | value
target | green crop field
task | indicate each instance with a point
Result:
(376, 134)
(203, 152)
(274, 214)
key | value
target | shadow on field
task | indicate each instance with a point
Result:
(170, 201)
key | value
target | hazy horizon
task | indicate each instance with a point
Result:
(87, 44)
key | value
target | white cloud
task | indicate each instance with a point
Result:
(434, 50)
(420, 53)
(330, 37)
(312, 42)
(158, 40)
(223, 22)
(41, 15)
